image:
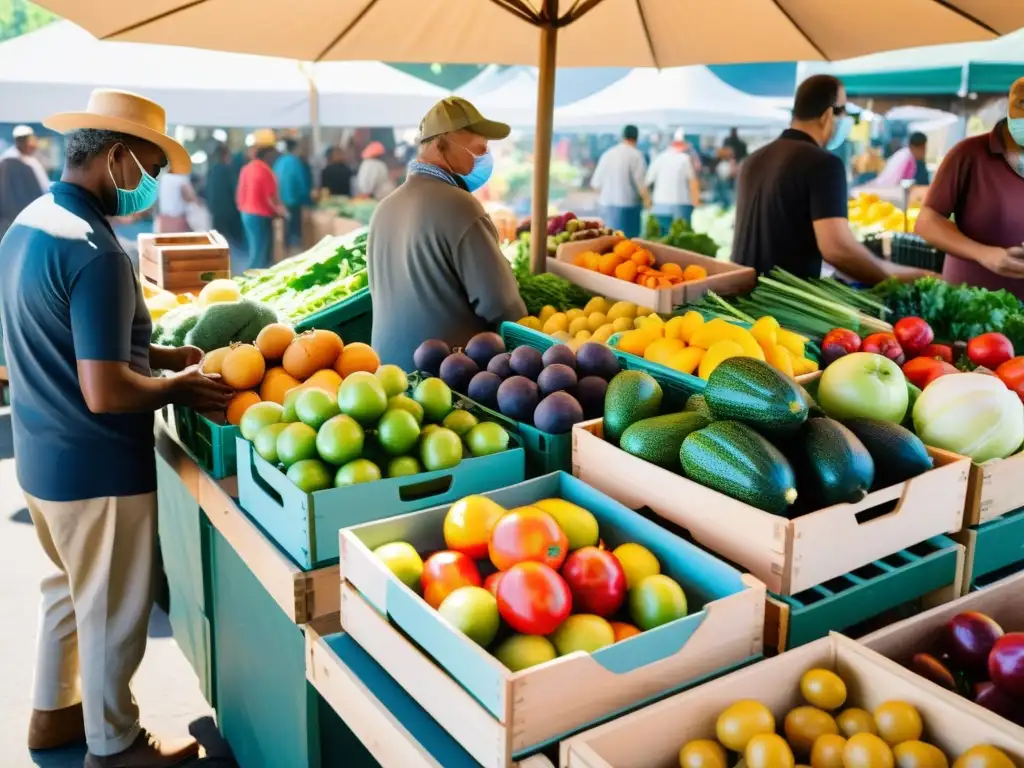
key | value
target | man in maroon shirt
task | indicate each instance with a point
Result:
(981, 185)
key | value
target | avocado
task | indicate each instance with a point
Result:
(899, 454)
(659, 438)
(699, 404)
(840, 466)
(631, 397)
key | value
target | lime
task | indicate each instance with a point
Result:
(441, 449)
(310, 475)
(314, 407)
(436, 398)
(460, 421)
(474, 612)
(257, 416)
(487, 438)
(362, 397)
(266, 441)
(404, 466)
(296, 442)
(355, 472)
(393, 379)
(398, 432)
(340, 440)
(406, 403)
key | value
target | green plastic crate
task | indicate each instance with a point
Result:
(352, 319)
(862, 594)
(211, 445)
(994, 549)
(545, 453)
(677, 386)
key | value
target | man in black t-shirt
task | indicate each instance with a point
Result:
(337, 176)
(791, 208)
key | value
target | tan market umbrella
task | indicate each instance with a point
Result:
(550, 33)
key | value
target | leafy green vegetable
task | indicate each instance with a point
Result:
(681, 236)
(540, 290)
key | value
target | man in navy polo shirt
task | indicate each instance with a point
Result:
(76, 332)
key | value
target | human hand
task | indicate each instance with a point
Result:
(1006, 262)
(199, 391)
(183, 357)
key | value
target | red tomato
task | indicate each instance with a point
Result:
(842, 337)
(943, 352)
(913, 334)
(922, 371)
(444, 572)
(527, 534)
(596, 580)
(491, 582)
(468, 525)
(884, 344)
(1011, 373)
(990, 350)
(623, 630)
(533, 599)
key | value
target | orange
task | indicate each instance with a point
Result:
(626, 271)
(592, 261)
(642, 258)
(311, 351)
(694, 272)
(608, 263)
(239, 404)
(357, 357)
(671, 268)
(623, 630)
(276, 384)
(274, 339)
(243, 367)
(625, 248)
(327, 379)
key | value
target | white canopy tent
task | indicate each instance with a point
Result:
(692, 97)
(54, 69)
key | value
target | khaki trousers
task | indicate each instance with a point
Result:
(95, 610)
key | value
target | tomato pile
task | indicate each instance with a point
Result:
(551, 586)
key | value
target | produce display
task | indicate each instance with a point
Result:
(759, 437)
(954, 312)
(331, 415)
(825, 733)
(551, 391)
(690, 345)
(216, 318)
(977, 414)
(868, 213)
(565, 228)
(535, 582)
(630, 261)
(680, 235)
(360, 209)
(597, 320)
(538, 291)
(974, 657)
(331, 271)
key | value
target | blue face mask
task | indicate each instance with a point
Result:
(841, 132)
(483, 167)
(1016, 126)
(142, 198)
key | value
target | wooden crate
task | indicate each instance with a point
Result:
(789, 556)
(396, 730)
(652, 737)
(498, 715)
(994, 489)
(184, 263)
(921, 634)
(724, 278)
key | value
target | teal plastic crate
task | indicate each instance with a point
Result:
(352, 319)
(994, 549)
(305, 525)
(677, 386)
(723, 628)
(861, 595)
(211, 445)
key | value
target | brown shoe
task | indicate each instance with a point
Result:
(147, 752)
(52, 729)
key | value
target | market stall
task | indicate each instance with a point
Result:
(368, 529)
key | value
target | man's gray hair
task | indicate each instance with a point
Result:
(87, 143)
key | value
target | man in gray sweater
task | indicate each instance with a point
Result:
(436, 271)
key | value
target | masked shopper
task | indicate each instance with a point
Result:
(980, 184)
(436, 270)
(77, 336)
(791, 208)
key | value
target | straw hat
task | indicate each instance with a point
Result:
(128, 113)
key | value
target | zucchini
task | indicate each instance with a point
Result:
(840, 466)
(751, 391)
(658, 439)
(699, 404)
(899, 454)
(733, 459)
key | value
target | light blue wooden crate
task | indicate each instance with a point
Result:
(723, 629)
(306, 525)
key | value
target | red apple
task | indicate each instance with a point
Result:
(969, 638)
(922, 371)
(992, 698)
(596, 580)
(913, 334)
(1006, 664)
(446, 571)
(884, 344)
(943, 352)
(842, 337)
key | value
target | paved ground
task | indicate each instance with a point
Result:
(166, 688)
